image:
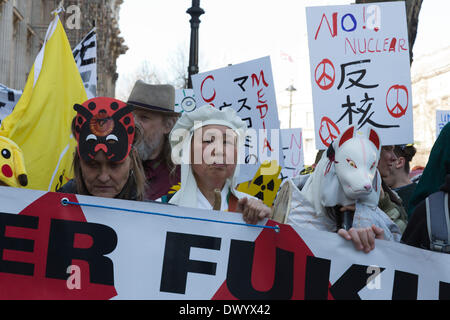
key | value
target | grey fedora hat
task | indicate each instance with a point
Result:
(153, 97)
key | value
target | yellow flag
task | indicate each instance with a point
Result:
(41, 121)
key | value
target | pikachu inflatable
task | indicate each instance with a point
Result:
(12, 164)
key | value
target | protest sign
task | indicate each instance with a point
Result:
(360, 71)
(292, 142)
(185, 100)
(249, 89)
(98, 248)
(442, 118)
(264, 186)
(85, 54)
(8, 100)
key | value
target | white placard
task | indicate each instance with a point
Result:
(292, 141)
(249, 89)
(442, 118)
(360, 71)
(185, 100)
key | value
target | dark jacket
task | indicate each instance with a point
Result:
(160, 179)
(416, 233)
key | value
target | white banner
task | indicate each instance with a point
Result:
(8, 100)
(85, 54)
(249, 89)
(95, 248)
(360, 71)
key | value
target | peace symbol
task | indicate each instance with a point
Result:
(395, 101)
(328, 131)
(325, 74)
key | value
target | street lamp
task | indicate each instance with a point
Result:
(195, 12)
(291, 89)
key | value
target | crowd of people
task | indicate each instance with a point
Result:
(143, 150)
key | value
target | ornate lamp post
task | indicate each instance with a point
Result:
(195, 12)
(291, 89)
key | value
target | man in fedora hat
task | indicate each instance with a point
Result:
(154, 111)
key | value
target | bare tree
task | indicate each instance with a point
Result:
(178, 63)
(145, 72)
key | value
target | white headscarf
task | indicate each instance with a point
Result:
(180, 140)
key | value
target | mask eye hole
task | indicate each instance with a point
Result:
(91, 137)
(112, 138)
(352, 163)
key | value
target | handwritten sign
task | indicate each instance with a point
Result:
(249, 89)
(8, 100)
(185, 100)
(292, 152)
(442, 118)
(85, 54)
(360, 71)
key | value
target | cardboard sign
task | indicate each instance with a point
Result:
(8, 100)
(185, 100)
(85, 54)
(96, 248)
(249, 89)
(292, 140)
(360, 71)
(442, 118)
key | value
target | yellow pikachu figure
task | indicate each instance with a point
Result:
(12, 164)
(264, 186)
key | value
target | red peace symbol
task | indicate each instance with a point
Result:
(325, 74)
(328, 131)
(395, 101)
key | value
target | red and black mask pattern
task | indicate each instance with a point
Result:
(104, 124)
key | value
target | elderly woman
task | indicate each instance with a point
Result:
(206, 143)
(106, 162)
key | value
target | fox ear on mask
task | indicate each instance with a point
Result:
(374, 138)
(347, 135)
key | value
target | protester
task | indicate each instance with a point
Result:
(399, 179)
(106, 162)
(390, 202)
(340, 196)
(435, 177)
(154, 111)
(206, 142)
(416, 233)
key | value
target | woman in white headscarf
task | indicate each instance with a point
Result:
(207, 143)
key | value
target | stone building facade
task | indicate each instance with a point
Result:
(23, 24)
(430, 78)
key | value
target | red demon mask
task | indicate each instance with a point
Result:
(104, 124)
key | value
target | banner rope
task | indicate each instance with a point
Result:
(65, 202)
